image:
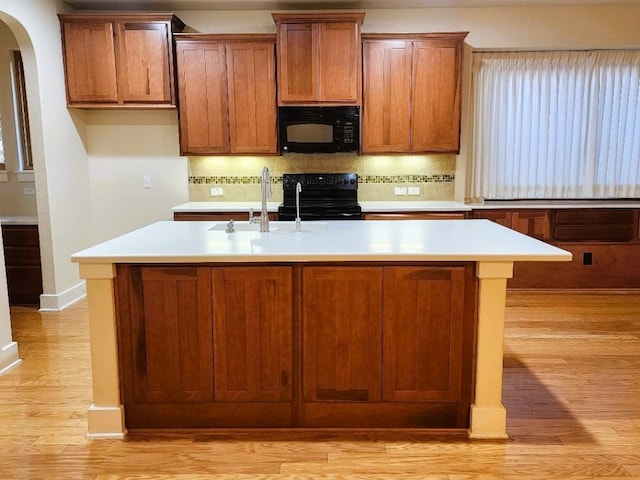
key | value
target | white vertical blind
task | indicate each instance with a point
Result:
(555, 125)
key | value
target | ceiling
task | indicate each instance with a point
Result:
(158, 5)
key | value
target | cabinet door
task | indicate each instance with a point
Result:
(90, 65)
(534, 223)
(252, 97)
(339, 70)
(298, 63)
(387, 96)
(202, 94)
(436, 96)
(166, 333)
(342, 326)
(502, 217)
(253, 334)
(143, 62)
(423, 333)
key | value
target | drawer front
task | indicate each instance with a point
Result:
(20, 235)
(22, 255)
(594, 217)
(594, 233)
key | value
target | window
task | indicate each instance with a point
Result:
(2, 165)
(555, 125)
(21, 113)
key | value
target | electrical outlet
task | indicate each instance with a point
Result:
(217, 192)
(400, 190)
(29, 191)
(146, 181)
(414, 190)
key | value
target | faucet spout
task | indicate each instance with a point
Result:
(298, 220)
(265, 189)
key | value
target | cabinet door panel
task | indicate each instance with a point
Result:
(534, 223)
(170, 334)
(202, 90)
(339, 63)
(143, 62)
(387, 96)
(298, 65)
(90, 62)
(253, 334)
(436, 96)
(342, 314)
(423, 333)
(252, 97)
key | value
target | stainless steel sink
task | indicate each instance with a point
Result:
(273, 227)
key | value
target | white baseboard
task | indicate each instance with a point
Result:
(9, 357)
(57, 302)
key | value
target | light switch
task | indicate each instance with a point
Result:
(400, 190)
(146, 182)
(414, 190)
(29, 191)
(217, 192)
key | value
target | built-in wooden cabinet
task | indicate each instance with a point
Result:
(277, 345)
(533, 222)
(227, 94)
(119, 60)
(22, 262)
(412, 87)
(319, 58)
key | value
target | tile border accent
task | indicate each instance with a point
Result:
(368, 179)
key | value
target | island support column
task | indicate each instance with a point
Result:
(106, 413)
(488, 415)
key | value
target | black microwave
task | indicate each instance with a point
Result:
(319, 129)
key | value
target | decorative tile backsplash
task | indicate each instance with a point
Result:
(239, 177)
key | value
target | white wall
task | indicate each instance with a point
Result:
(60, 160)
(123, 148)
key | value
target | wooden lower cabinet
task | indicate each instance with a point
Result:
(246, 346)
(22, 262)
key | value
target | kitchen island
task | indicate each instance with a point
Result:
(359, 324)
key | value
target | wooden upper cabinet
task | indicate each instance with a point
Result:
(202, 93)
(251, 81)
(319, 59)
(412, 89)
(227, 93)
(119, 60)
(387, 100)
(435, 125)
(90, 62)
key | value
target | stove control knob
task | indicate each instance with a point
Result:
(353, 181)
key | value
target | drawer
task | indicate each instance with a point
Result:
(602, 216)
(21, 255)
(594, 233)
(20, 235)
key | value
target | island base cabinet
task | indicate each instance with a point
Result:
(387, 346)
(204, 347)
(281, 345)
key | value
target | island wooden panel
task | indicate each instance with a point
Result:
(342, 334)
(423, 333)
(166, 334)
(253, 334)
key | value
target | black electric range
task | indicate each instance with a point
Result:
(323, 196)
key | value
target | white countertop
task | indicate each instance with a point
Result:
(358, 240)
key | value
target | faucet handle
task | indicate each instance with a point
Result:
(251, 219)
(230, 228)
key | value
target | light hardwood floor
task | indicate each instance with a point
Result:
(572, 390)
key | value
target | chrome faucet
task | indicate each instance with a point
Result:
(266, 193)
(298, 221)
